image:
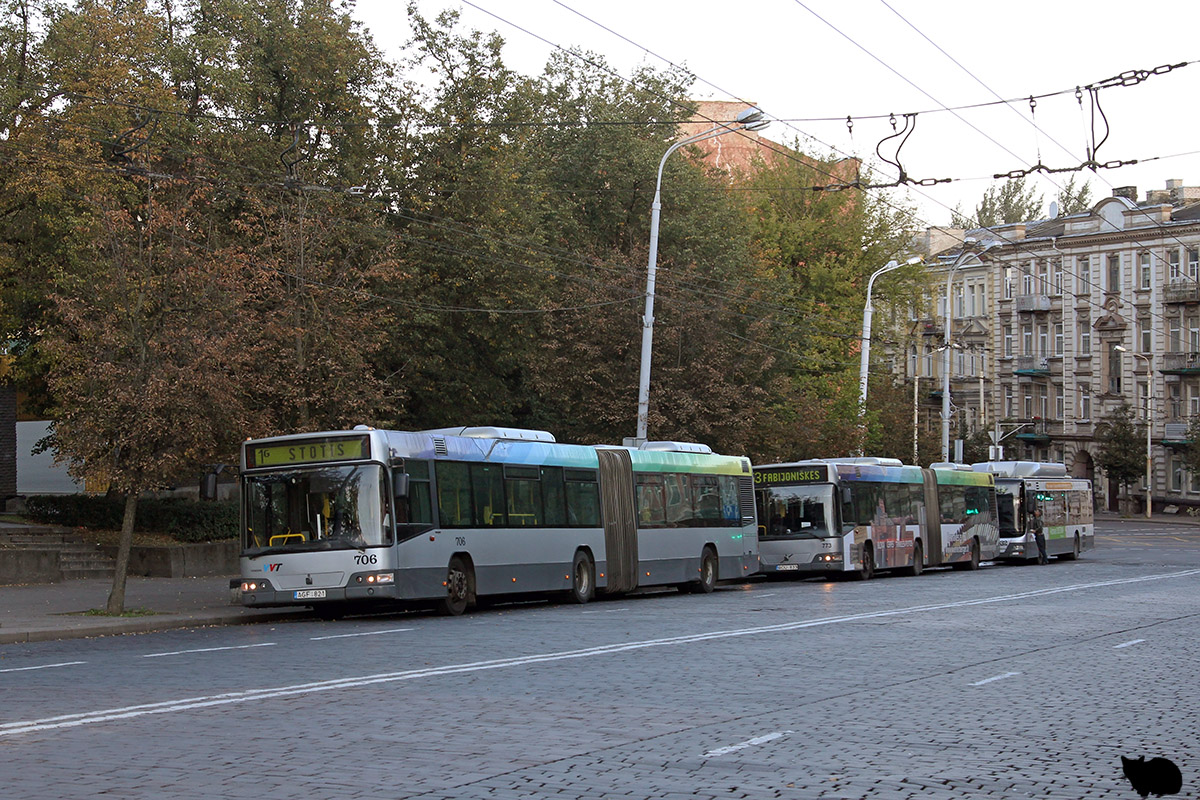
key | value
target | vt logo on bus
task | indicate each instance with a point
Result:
(272, 567)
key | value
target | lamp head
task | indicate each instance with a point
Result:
(750, 115)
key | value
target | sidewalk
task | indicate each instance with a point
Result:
(46, 612)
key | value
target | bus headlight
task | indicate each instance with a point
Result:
(256, 586)
(828, 558)
(380, 577)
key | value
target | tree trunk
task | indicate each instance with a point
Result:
(116, 598)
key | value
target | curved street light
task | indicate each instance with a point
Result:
(865, 347)
(750, 119)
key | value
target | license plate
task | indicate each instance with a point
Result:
(309, 594)
(782, 567)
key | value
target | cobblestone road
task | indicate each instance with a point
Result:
(1011, 682)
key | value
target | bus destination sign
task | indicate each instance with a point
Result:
(307, 451)
(817, 473)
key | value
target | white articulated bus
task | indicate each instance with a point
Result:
(1066, 503)
(368, 516)
(859, 515)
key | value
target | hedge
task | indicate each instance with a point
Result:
(182, 519)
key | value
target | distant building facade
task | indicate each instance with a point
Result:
(1037, 320)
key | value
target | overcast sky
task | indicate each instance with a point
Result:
(808, 60)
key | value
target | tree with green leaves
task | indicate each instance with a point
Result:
(1011, 201)
(1073, 199)
(1122, 450)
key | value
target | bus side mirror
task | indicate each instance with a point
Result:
(400, 484)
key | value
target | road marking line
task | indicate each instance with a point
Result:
(994, 678)
(757, 740)
(607, 611)
(348, 635)
(1128, 644)
(43, 666)
(252, 695)
(209, 650)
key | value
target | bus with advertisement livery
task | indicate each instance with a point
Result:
(1067, 509)
(345, 519)
(860, 515)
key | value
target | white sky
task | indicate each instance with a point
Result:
(780, 55)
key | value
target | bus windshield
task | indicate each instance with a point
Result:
(797, 512)
(326, 508)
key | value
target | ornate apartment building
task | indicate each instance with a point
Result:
(1054, 323)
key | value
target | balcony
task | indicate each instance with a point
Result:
(1175, 435)
(1036, 366)
(1182, 290)
(1036, 432)
(1180, 364)
(1031, 302)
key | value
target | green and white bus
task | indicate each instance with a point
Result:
(1066, 503)
(860, 515)
(368, 517)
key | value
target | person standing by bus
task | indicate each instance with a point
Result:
(1038, 529)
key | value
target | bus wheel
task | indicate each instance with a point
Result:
(973, 563)
(460, 588)
(583, 587)
(868, 563)
(1074, 554)
(708, 575)
(918, 565)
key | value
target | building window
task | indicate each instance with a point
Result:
(1058, 276)
(1043, 341)
(1085, 401)
(1085, 336)
(1008, 341)
(1194, 267)
(1174, 400)
(1026, 278)
(1027, 402)
(1114, 369)
(1114, 272)
(1008, 283)
(1173, 335)
(1083, 267)
(1058, 338)
(1008, 401)
(1173, 262)
(1143, 334)
(1060, 404)
(1027, 340)
(1144, 269)
(1176, 474)
(1042, 404)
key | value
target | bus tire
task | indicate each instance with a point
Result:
(868, 564)
(583, 582)
(1074, 554)
(973, 562)
(708, 574)
(460, 588)
(918, 565)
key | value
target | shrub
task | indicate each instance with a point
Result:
(182, 519)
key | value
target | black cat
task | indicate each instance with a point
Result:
(1157, 776)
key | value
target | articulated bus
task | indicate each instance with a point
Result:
(859, 515)
(355, 518)
(1066, 503)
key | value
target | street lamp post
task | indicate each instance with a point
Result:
(865, 348)
(751, 119)
(968, 245)
(1149, 422)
